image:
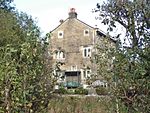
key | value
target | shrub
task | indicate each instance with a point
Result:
(81, 91)
(101, 91)
(61, 91)
(70, 91)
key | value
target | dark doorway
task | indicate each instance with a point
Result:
(73, 79)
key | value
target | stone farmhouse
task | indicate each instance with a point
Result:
(72, 46)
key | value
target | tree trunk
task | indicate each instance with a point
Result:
(7, 99)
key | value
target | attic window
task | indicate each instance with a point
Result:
(60, 34)
(86, 32)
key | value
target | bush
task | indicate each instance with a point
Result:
(101, 91)
(70, 91)
(81, 91)
(61, 91)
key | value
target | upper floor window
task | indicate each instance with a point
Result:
(87, 52)
(60, 34)
(86, 32)
(59, 55)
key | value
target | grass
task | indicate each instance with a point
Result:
(78, 105)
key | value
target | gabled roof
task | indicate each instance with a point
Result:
(59, 25)
(67, 20)
(85, 24)
(73, 15)
(102, 34)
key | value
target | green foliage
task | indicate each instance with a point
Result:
(81, 91)
(25, 78)
(101, 90)
(23, 74)
(78, 105)
(130, 73)
(132, 82)
(10, 31)
(6, 4)
(61, 91)
(104, 57)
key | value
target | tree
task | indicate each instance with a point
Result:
(10, 31)
(25, 79)
(6, 4)
(132, 62)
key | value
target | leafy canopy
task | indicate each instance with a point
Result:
(132, 62)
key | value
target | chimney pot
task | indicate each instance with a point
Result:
(72, 9)
(72, 13)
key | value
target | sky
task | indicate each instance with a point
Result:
(48, 13)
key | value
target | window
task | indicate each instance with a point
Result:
(86, 32)
(74, 68)
(87, 52)
(84, 74)
(87, 73)
(60, 34)
(59, 55)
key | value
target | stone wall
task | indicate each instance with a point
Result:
(72, 42)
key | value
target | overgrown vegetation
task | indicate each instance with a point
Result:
(79, 90)
(130, 75)
(25, 81)
(79, 105)
(25, 73)
(102, 90)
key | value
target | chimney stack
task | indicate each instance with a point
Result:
(72, 13)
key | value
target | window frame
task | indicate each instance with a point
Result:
(86, 34)
(59, 55)
(87, 52)
(87, 73)
(74, 68)
(61, 33)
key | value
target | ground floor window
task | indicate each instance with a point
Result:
(87, 73)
